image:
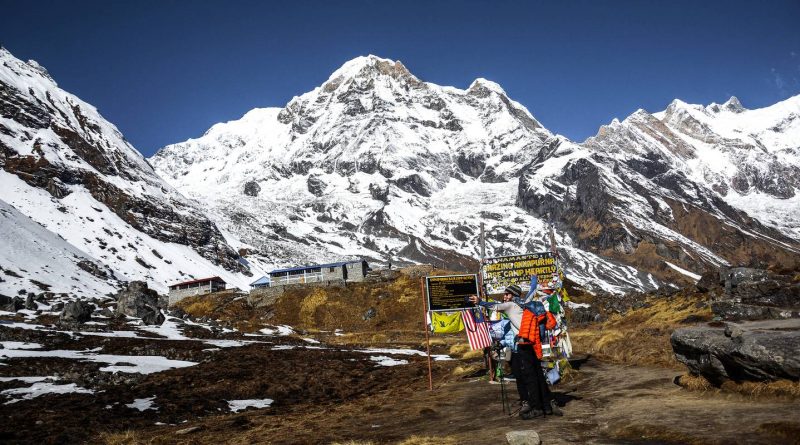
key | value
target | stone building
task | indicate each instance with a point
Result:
(346, 271)
(179, 291)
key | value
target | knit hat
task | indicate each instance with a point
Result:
(514, 290)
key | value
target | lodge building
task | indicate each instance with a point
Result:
(179, 291)
(346, 271)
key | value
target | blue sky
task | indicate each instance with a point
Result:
(165, 71)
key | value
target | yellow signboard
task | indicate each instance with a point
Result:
(501, 272)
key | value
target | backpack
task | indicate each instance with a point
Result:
(535, 320)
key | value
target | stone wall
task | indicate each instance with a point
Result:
(266, 296)
(177, 295)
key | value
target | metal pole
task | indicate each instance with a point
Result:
(483, 242)
(427, 334)
(553, 240)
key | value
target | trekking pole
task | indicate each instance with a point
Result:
(500, 375)
(503, 397)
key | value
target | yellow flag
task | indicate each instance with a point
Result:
(446, 322)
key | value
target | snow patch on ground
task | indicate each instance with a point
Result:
(42, 388)
(143, 404)
(238, 405)
(383, 360)
(691, 275)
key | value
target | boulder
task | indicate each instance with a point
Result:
(523, 437)
(251, 188)
(583, 315)
(709, 280)
(757, 351)
(732, 311)
(137, 300)
(77, 312)
(11, 304)
(770, 292)
(30, 304)
(735, 276)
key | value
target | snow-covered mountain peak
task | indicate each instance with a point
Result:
(363, 70)
(379, 164)
(481, 86)
(733, 105)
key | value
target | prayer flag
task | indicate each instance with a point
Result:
(477, 333)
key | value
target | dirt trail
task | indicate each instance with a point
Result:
(605, 403)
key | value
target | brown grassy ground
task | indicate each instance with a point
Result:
(641, 336)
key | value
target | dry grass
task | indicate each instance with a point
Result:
(466, 370)
(353, 442)
(694, 383)
(123, 438)
(226, 306)
(428, 440)
(778, 388)
(469, 355)
(200, 308)
(459, 349)
(640, 336)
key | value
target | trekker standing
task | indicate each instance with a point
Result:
(534, 393)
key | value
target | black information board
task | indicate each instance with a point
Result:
(450, 292)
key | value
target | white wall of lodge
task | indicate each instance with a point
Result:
(181, 291)
(352, 272)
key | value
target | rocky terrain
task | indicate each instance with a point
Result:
(217, 369)
(71, 187)
(759, 339)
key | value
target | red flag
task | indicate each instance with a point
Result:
(477, 333)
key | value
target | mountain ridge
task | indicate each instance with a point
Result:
(70, 170)
(415, 143)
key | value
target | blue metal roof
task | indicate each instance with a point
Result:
(314, 266)
(263, 280)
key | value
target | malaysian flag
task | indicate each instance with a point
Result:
(477, 333)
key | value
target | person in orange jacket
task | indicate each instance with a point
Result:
(535, 397)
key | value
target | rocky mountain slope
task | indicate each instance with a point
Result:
(377, 163)
(93, 197)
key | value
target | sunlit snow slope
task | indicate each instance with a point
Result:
(72, 173)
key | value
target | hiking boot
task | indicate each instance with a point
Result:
(532, 414)
(552, 409)
(525, 407)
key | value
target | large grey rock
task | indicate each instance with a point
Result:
(770, 292)
(584, 315)
(11, 304)
(735, 276)
(77, 312)
(251, 188)
(710, 280)
(759, 351)
(30, 304)
(137, 300)
(523, 437)
(733, 311)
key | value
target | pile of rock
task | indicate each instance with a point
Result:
(757, 336)
(753, 294)
(137, 300)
